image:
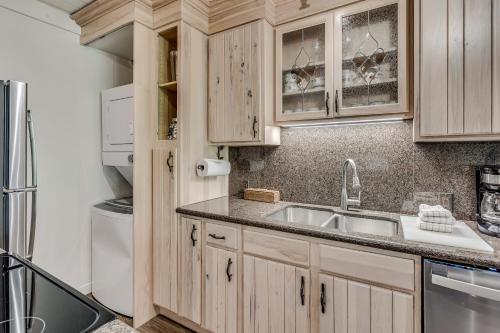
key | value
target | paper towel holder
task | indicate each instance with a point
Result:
(219, 149)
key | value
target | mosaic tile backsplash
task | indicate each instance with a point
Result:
(395, 173)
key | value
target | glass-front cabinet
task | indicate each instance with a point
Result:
(370, 58)
(303, 70)
(350, 62)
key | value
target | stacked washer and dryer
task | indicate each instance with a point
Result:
(112, 220)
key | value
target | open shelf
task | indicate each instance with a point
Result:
(167, 78)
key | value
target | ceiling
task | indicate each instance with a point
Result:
(69, 6)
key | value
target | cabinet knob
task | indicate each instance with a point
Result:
(131, 158)
(242, 64)
(249, 93)
(218, 80)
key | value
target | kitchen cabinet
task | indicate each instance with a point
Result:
(240, 95)
(355, 307)
(221, 290)
(370, 66)
(276, 297)
(165, 226)
(350, 62)
(457, 61)
(190, 269)
(303, 69)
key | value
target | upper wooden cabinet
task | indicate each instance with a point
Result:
(370, 58)
(240, 81)
(457, 67)
(303, 69)
(348, 63)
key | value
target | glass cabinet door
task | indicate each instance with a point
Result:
(369, 58)
(303, 65)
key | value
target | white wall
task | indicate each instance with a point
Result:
(40, 45)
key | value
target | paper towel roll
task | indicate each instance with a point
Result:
(209, 167)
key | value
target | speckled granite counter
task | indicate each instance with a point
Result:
(115, 326)
(235, 210)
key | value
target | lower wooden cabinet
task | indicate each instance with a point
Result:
(165, 226)
(221, 290)
(353, 307)
(276, 297)
(190, 269)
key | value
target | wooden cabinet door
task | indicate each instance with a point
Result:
(276, 297)
(190, 269)
(354, 307)
(216, 60)
(221, 296)
(165, 224)
(457, 69)
(235, 74)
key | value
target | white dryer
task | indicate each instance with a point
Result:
(112, 255)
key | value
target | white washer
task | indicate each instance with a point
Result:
(112, 251)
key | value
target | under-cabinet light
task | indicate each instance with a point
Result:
(346, 123)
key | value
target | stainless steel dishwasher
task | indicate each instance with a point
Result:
(460, 299)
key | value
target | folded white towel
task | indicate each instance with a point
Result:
(434, 211)
(438, 227)
(437, 219)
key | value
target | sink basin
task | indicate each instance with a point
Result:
(302, 215)
(334, 220)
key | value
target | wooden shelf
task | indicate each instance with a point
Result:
(388, 51)
(388, 81)
(310, 91)
(313, 64)
(172, 86)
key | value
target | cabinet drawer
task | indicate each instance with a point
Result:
(221, 235)
(391, 271)
(275, 247)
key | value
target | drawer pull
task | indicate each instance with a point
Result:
(254, 129)
(214, 236)
(170, 160)
(193, 231)
(326, 103)
(322, 298)
(302, 290)
(229, 275)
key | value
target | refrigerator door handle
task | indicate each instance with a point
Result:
(31, 242)
(19, 190)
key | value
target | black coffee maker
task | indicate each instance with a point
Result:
(488, 199)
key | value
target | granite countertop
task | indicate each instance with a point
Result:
(115, 326)
(235, 210)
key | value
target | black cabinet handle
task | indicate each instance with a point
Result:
(302, 290)
(193, 231)
(170, 160)
(322, 298)
(326, 103)
(229, 275)
(254, 129)
(214, 236)
(336, 101)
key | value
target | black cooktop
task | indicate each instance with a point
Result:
(33, 301)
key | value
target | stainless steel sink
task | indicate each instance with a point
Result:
(302, 215)
(335, 220)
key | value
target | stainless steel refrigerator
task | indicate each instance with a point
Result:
(18, 171)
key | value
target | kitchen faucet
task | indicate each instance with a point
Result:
(345, 201)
